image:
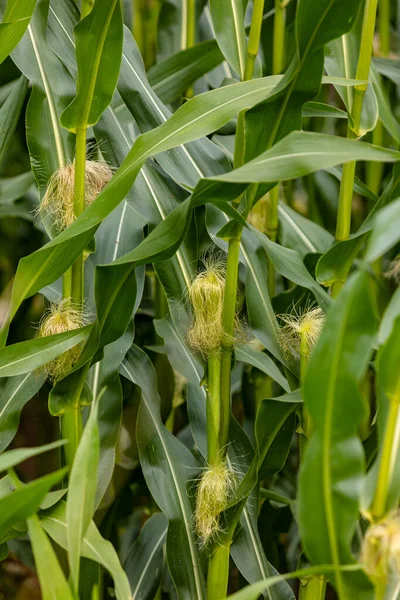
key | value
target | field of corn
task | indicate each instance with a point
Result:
(199, 299)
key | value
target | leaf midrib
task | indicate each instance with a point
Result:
(179, 494)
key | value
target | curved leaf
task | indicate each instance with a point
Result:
(247, 540)
(385, 233)
(387, 385)
(170, 77)
(82, 492)
(341, 61)
(14, 395)
(98, 50)
(94, 547)
(23, 357)
(187, 123)
(315, 25)
(333, 466)
(144, 561)
(14, 457)
(168, 468)
(263, 362)
(15, 21)
(10, 112)
(301, 153)
(50, 146)
(228, 22)
(20, 504)
(252, 592)
(52, 579)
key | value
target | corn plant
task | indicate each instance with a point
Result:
(200, 214)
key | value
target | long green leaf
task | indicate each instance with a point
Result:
(52, 579)
(82, 492)
(315, 25)
(144, 561)
(23, 357)
(14, 457)
(252, 592)
(9, 113)
(168, 467)
(185, 164)
(170, 77)
(15, 394)
(247, 541)
(50, 146)
(228, 21)
(98, 53)
(385, 233)
(301, 234)
(289, 264)
(20, 504)
(263, 362)
(94, 547)
(15, 21)
(332, 471)
(341, 61)
(196, 118)
(301, 153)
(387, 385)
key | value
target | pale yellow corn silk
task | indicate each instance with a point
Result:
(58, 201)
(304, 325)
(60, 317)
(381, 548)
(393, 271)
(215, 487)
(207, 297)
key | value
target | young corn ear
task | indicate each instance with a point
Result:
(58, 201)
(301, 329)
(207, 297)
(216, 485)
(62, 316)
(381, 549)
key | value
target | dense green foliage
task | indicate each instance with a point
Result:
(200, 318)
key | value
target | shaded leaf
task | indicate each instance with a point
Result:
(144, 562)
(14, 395)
